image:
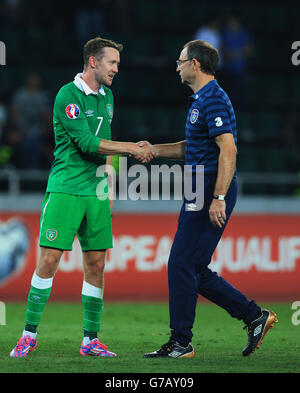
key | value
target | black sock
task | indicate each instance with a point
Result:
(30, 328)
(90, 335)
(258, 315)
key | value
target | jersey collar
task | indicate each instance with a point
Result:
(204, 89)
(83, 86)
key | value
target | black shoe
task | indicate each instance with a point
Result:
(257, 330)
(172, 349)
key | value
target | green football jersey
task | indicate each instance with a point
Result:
(80, 119)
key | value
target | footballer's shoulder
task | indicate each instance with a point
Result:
(214, 96)
(66, 91)
(68, 87)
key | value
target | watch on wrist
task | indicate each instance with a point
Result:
(219, 197)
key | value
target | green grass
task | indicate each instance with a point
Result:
(130, 329)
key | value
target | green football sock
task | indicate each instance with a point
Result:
(92, 302)
(37, 298)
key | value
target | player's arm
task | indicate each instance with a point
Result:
(226, 164)
(143, 153)
(167, 150)
(226, 169)
(219, 128)
(70, 114)
(170, 150)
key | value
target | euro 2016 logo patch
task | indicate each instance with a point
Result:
(72, 111)
(51, 234)
(194, 116)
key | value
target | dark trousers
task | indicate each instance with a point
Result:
(189, 275)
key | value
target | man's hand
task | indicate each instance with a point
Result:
(217, 213)
(144, 151)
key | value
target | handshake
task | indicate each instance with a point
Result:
(143, 151)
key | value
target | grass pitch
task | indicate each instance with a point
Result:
(130, 329)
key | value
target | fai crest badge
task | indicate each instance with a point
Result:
(51, 234)
(72, 111)
(194, 116)
(109, 109)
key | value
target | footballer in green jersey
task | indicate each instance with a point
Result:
(82, 116)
